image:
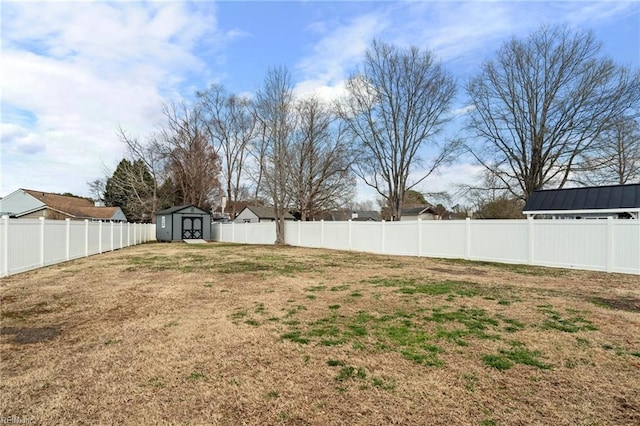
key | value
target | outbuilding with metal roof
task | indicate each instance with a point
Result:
(595, 202)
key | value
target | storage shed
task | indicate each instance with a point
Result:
(183, 223)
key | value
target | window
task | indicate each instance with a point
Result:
(162, 221)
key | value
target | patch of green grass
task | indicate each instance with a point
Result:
(273, 395)
(208, 285)
(111, 342)
(518, 354)
(311, 296)
(295, 336)
(422, 357)
(521, 355)
(498, 362)
(239, 313)
(335, 363)
(340, 287)
(196, 375)
(355, 294)
(571, 324)
(383, 383)
(488, 422)
(582, 342)
(259, 308)
(316, 288)
(349, 372)
(252, 322)
(470, 382)
(334, 307)
(171, 324)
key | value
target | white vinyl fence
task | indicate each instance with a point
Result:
(611, 245)
(27, 244)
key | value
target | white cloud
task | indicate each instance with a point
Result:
(80, 69)
(336, 53)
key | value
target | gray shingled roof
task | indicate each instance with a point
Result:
(590, 198)
(174, 209)
(264, 212)
(415, 211)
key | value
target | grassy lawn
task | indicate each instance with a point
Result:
(232, 334)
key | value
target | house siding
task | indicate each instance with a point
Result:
(18, 202)
(247, 214)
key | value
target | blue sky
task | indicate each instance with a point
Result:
(73, 71)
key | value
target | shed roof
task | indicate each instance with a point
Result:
(600, 198)
(176, 209)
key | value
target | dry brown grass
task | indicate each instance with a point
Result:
(176, 334)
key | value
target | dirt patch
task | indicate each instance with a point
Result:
(623, 303)
(464, 271)
(24, 335)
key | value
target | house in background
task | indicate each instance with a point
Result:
(255, 214)
(420, 212)
(596, 202)
(30, 204)
(354, 215)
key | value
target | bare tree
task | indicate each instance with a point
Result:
(395, 106)
(321, 160)
(231, 126)
(615, 158)
(541, 103)
(191, 160)
(275, 111)
(140, 181)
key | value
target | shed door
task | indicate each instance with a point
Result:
(191, 228)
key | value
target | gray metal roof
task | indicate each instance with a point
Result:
(612, 197)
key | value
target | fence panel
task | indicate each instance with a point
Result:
(77, 239)
(602, 245)
(443, 238)
(578, 244)
(366, 236)
(55, 241)
(27, 244)
(23, 251)
(336, 235)
(401, 238)
(499, 241)
(626, 250)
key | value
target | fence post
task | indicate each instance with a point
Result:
(135, 234)
(5, 246)
(419, 237)
(321, 233)
(68, 232)
(111, 226)
(467, 238)
(299, 231)
(531, 238)
(86, 238)
(100, 236)
(350, 233)
(382, 237)
(233, 232)
(128, 234)
(41, 241)
(610, 245)
(121, 242)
